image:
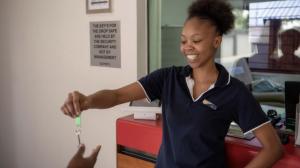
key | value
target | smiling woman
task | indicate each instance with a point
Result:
(199, 100)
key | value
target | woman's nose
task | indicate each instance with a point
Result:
(188, 46)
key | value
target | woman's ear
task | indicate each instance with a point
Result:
(217, 42)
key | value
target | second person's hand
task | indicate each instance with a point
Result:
(75, 103)
(78, 161)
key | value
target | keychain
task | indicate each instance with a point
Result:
(78, 128)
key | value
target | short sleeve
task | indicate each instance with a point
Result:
(153, 83)
(248, 114)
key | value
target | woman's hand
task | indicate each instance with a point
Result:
(75, 103)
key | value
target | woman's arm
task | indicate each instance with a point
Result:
(271, 147)
(76, 102)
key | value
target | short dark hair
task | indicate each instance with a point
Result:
(219, 12)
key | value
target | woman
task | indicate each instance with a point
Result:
(199, 101)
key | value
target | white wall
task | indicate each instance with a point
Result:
(44, 54)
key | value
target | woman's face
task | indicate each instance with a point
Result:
(199, 42)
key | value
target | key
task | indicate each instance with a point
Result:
(77, 132)
(78, 129)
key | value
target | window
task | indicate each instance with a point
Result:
(259, 25)
(262, 49)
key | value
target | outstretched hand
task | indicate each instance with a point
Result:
(78, 161)
(75, 103)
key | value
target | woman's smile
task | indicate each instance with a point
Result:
(191, 57)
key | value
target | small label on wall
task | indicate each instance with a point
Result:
(105, 44)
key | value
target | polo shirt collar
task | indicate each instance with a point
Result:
(223, 77)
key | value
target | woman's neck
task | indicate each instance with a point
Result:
(206, 74)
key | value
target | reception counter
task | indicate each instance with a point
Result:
(138, 142)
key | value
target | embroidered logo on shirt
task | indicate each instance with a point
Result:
(209, 104)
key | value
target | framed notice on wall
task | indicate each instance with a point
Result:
(105, 44)
(98, 6)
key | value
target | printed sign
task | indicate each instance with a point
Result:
(105, 44)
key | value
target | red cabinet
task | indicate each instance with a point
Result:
(142, 138)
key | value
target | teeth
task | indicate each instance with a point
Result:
(191, 57)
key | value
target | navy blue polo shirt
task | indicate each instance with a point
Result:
(194, 131)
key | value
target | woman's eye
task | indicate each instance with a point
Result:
(183, 42)
(196, 41)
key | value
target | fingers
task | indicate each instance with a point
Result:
(95, 153)
(96, 150)
(64, 110)
(76, 102)
(81, 150)
(71, 106)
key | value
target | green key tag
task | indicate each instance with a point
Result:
(78, 129)
(78, 121)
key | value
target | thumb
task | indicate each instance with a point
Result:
(95, 153)
(80, 150)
